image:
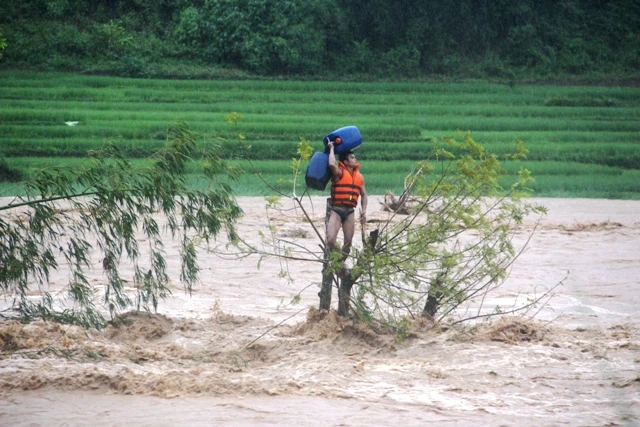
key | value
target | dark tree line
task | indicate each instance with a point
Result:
(327, 37)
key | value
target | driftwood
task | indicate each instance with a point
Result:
(404, 203)
(401, 205)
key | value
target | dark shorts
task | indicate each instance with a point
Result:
(343, 212)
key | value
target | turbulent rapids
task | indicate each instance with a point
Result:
(237, 353)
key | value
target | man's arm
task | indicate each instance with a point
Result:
(364, 199)
(335, 170)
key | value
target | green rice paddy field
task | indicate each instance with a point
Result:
(582, 141)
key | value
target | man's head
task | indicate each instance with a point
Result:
(348, 158)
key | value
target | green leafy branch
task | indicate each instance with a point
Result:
(109, 207)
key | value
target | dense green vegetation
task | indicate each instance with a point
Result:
(347, 39)
(583, 141)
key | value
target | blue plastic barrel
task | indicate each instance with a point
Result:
(345, 139)
(318, 173)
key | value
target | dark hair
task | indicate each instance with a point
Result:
(344, 156)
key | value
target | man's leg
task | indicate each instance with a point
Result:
(332, 228)
(348, 229)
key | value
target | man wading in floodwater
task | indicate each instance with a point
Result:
(347, 186)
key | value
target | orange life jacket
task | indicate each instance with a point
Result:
(346, 190)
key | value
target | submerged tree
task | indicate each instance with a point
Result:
(72, 215)
(455, 244)
(449, 240)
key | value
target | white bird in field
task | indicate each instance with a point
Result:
(71, 123)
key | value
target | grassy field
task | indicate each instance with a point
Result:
(583, 141)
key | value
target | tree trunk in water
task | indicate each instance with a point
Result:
(344, 293)
(348, 279)
(431, 307)
(434, 297)
(325, 290)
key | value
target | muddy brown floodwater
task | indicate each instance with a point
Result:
(576, 363)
